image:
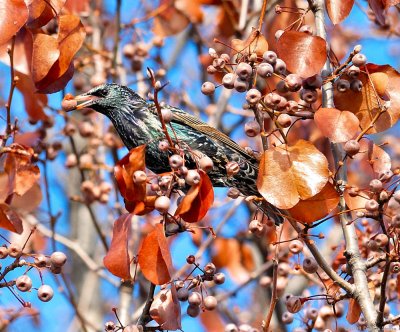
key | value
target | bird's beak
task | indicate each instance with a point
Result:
(84, 101)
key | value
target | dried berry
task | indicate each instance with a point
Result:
(352, 147)
(265, 70)
(228, 81)
(23, 283)
(342, 85)
(162, 204)
(45, 293)
(252, 128)
(244, 71)
(194, 299)
(296, 246)
(294, 304)
(310, 265)
(253, 96)
(359, 60)
(210, 302)
(183, 294)
(270, 57)
(58, 258)
(208, 88)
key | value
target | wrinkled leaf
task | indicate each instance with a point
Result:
(166, 310)
(338, 10)
(44, 56)
(197, 201)
(42, 11)
(316, 207)
(77, 6)
(154, 257)
(9, 219)
(303, 53)
(376, 156)
(117, 260)
(290, 173)
(338, 126)
(255, 43)
(13, 15)
(354, 312)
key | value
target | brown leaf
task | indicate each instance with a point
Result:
(44, 56)
(212, 321)
(290, 173)
(316, 207)
(166, 310)
(191, 8)
(338, 10)
(197, 201)
(42, 11)
(255, 43)
(13, 15)
(9, 219)
(376, 156)
(378, 8)
(303, 53)
(389, 3)
(29, 201)
(398, 284)
(117, 260)
(154, 257)
(170, 20)
(354, 312)
(77, 6)
(338, 126)
(365, 104)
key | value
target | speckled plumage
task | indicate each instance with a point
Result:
(137, 123)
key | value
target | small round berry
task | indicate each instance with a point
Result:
(265, 70)
(58, 258)
(211, 69)
(310, 265)
(139, 177)
(206, 164)
(23, 283)
(309, 96)
(219, 63)
(219, 278)
(284, 120)
(41, 260)
(193, 310)
(283, 269)
(163, 145)
(352, 147)
(281, 87)
(210, 302)
(381, 240)
(287, 317)
(240, 85)
(376, 185)
(210, 269)
(272, 99)
(176, 161)
(182, 294)
(208, 88)
(356, 85)
(228, 81)
(353, 71)
(232, 168)
(212, 52)
(162, 204)
(233, 193)
(293, 106)
(371, 205)
(14, 250)
(296, 246)
(396, 221)
(3, 252)
(265, 281)
(193, 177)
(359, 60)
(45, 293)
(244, 71)
(194, 298)
(270, 57)
(252, 128)
(312, 313)
(395, 267)
(313, 82)
(294, 304)
(342, 85)
(293, 82)
(166, 115)
(307, 29)
(253, 96)
(278, 34)
(256, 227)
(280, 66)
(357, 48)
(231, 328)
(190, 259)
(225, 57)
(109, 326)
(55, 269)
(383, 196)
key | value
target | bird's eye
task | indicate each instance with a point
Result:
(99, 93)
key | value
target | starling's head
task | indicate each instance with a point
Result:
(109, 99)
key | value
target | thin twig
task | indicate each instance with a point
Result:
(274, 297)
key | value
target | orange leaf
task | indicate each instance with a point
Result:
(42, 11)
(29, 201)
(303, 53)
(9, 219)
(13, 15)
(338, 126)
(316, 207)
(288, 174)
(354, 312)
(117, 260)
(255, 43)
(212, 321)
(197, 201)
(375, 156)
(77, 6)
(170, 20)
(44, 56)
(398, 284)
(338, 10)
(166, 310)
(154, 257)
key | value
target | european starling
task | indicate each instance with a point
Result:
(137, 123)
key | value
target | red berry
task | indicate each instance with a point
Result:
(190, 259)
(309, 96)
(279, 66)
(272, 99)
(14, 250)
(342, 85)
(381, 240)
(208, 88)
(232, 168)
(353, 71)
(210, 269)
(163, 145)
(240, 85)
(175, 161)
(293, 82)
(41, 260)
(45, 293)
(376, 185)
(23, 283)
(219, 278)
(356, 85)
(58, 258)
(371, 205)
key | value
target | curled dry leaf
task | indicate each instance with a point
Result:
(197, 201)
(255, 43)
(377, 89)
(338, 10)
(117, 260)
(154, 257)
(9, 219)
(288, 174)
(13, 16)
(316, 207)
(338, 126)
(77, 6)
(42, 11)
(376, 156)
(166, 310)
(303, 53)
(134, 194)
